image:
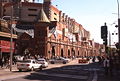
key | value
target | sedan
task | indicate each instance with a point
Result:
(28, 64)
(59, 60)
(43, 62)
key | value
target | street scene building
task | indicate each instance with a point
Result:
(44, 30)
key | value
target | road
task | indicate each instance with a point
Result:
(64, 72)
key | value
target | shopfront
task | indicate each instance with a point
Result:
(5, 48)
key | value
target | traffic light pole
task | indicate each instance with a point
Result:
(118, 30)
(118, 26)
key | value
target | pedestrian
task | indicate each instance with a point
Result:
(1, 63)
(116, 64)
(8, 64)
(111, 67)
(106, 65)
(93, 60)
(99, 59)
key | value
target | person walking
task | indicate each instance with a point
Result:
(106, 65)
(1, 63)
(111, 67)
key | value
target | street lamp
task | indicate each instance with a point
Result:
(9, 18)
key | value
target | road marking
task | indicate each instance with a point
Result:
(64, 75)
(95, 76)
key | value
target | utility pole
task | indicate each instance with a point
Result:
(110, 41)
(118, 23)
(11, 39)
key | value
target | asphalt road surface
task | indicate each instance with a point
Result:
(74, 72)
(65, 72)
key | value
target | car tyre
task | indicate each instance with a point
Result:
(32, 69)
(64, 62)
(41, 68)
(20, 70)
(52, 62)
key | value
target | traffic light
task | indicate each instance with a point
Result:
(104, 32)
(105, 42)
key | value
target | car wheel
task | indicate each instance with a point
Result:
(20, 70)
(32, 69)
(64, 62)
(52, 62)
(40, 67)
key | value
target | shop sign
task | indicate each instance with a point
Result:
(5, 46)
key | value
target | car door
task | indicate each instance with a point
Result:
(59, 60)
(33, 64)
(37, 64)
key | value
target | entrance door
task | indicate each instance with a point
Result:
(62, 55)
(53, 50)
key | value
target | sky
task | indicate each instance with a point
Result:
(92, 14)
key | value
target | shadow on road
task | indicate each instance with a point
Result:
(73, 70)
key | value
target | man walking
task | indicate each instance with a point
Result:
(106, 64)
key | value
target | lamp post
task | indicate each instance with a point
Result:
(11, 48)
(118, 23)
(110, 41)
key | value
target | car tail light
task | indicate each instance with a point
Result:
(28, 65)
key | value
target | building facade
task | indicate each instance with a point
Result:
(48, 31)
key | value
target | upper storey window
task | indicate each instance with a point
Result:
(55, 14)
(32, 9)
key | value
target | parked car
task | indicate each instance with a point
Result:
(59, 60)
(28, 64)
(83, 60)
(43, 62)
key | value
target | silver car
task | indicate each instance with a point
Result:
(28, 64)
(43, 62)
(59, 60)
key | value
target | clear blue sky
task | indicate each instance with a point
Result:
(91, 14)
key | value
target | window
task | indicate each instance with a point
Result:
(55, 19)
(32, 15)
(55, 13)
(32, 9)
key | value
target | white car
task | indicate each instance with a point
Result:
(29, 64)
(43, 62)
(59, 60)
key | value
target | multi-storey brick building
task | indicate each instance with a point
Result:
(50, 32)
